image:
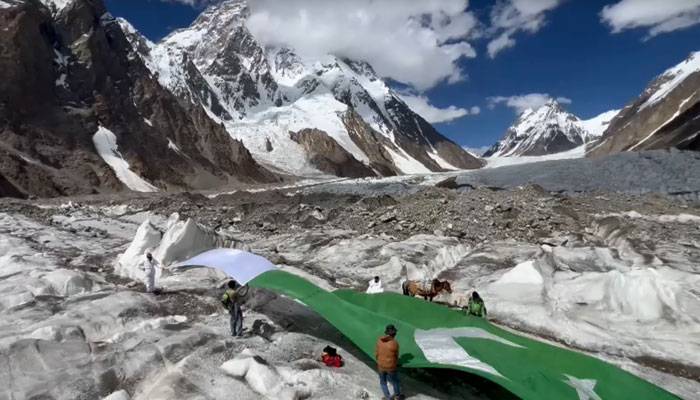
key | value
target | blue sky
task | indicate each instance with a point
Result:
(571, 53)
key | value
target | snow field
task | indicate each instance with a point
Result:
(607, 299)
(610, 302)
(164, 356)
(597, 125)
(106, 145)
(640, 310)
(674, 76)
(267, 380)
(180, 241)
(503, 161)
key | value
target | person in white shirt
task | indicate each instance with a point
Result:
(149, 265)
(375, 286)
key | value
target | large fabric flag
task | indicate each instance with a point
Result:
(241, 265)
(434, 336)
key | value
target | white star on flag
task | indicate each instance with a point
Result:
(585, 388)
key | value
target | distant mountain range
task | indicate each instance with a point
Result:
(665, 115)
(89, 105)
(547, 130)
(296, 115)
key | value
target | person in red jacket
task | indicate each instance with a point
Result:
(331, 358)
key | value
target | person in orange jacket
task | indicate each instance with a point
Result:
(387, 355)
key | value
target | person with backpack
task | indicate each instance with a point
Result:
(387, 356)
(232, 300)
(331, 358)
(476, 306)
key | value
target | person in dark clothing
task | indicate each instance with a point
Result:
(476, 306)
(232, 301)
(387, 355)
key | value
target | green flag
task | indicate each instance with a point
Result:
(433, 336)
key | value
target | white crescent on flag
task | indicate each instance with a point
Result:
(439, 346)
(238, 264)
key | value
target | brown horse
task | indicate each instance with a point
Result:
(416, 288)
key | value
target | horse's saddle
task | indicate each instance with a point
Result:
(425, 285)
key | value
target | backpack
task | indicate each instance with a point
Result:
(228, 299)
(335, 361)
(332, 358)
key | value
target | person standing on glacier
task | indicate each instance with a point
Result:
(149, 266)
(375, 286)
(387, 356)
(476, 306)
(232, 301)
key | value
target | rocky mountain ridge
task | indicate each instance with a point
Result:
(261, 94)
(666, 114)
(80, 114)
(88, 105)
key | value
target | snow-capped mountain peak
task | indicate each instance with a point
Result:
(216, 24)
(56, 6)
(545, 130)
(261, 94)
(671, 78)
(596, 126)
(666, 114)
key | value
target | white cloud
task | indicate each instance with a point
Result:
(523, 102)
(421, 105)
(509, 17)
(417, 43)
(656, 16)
(502, 42)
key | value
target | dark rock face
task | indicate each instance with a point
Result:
(328, 156)
(682, 132)
(412, 133)
(196, 92)
(661, 117)
(66, 74)
(371, 143)
(34, 125)
(238, 87)
(417, 137)
(8, 190)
